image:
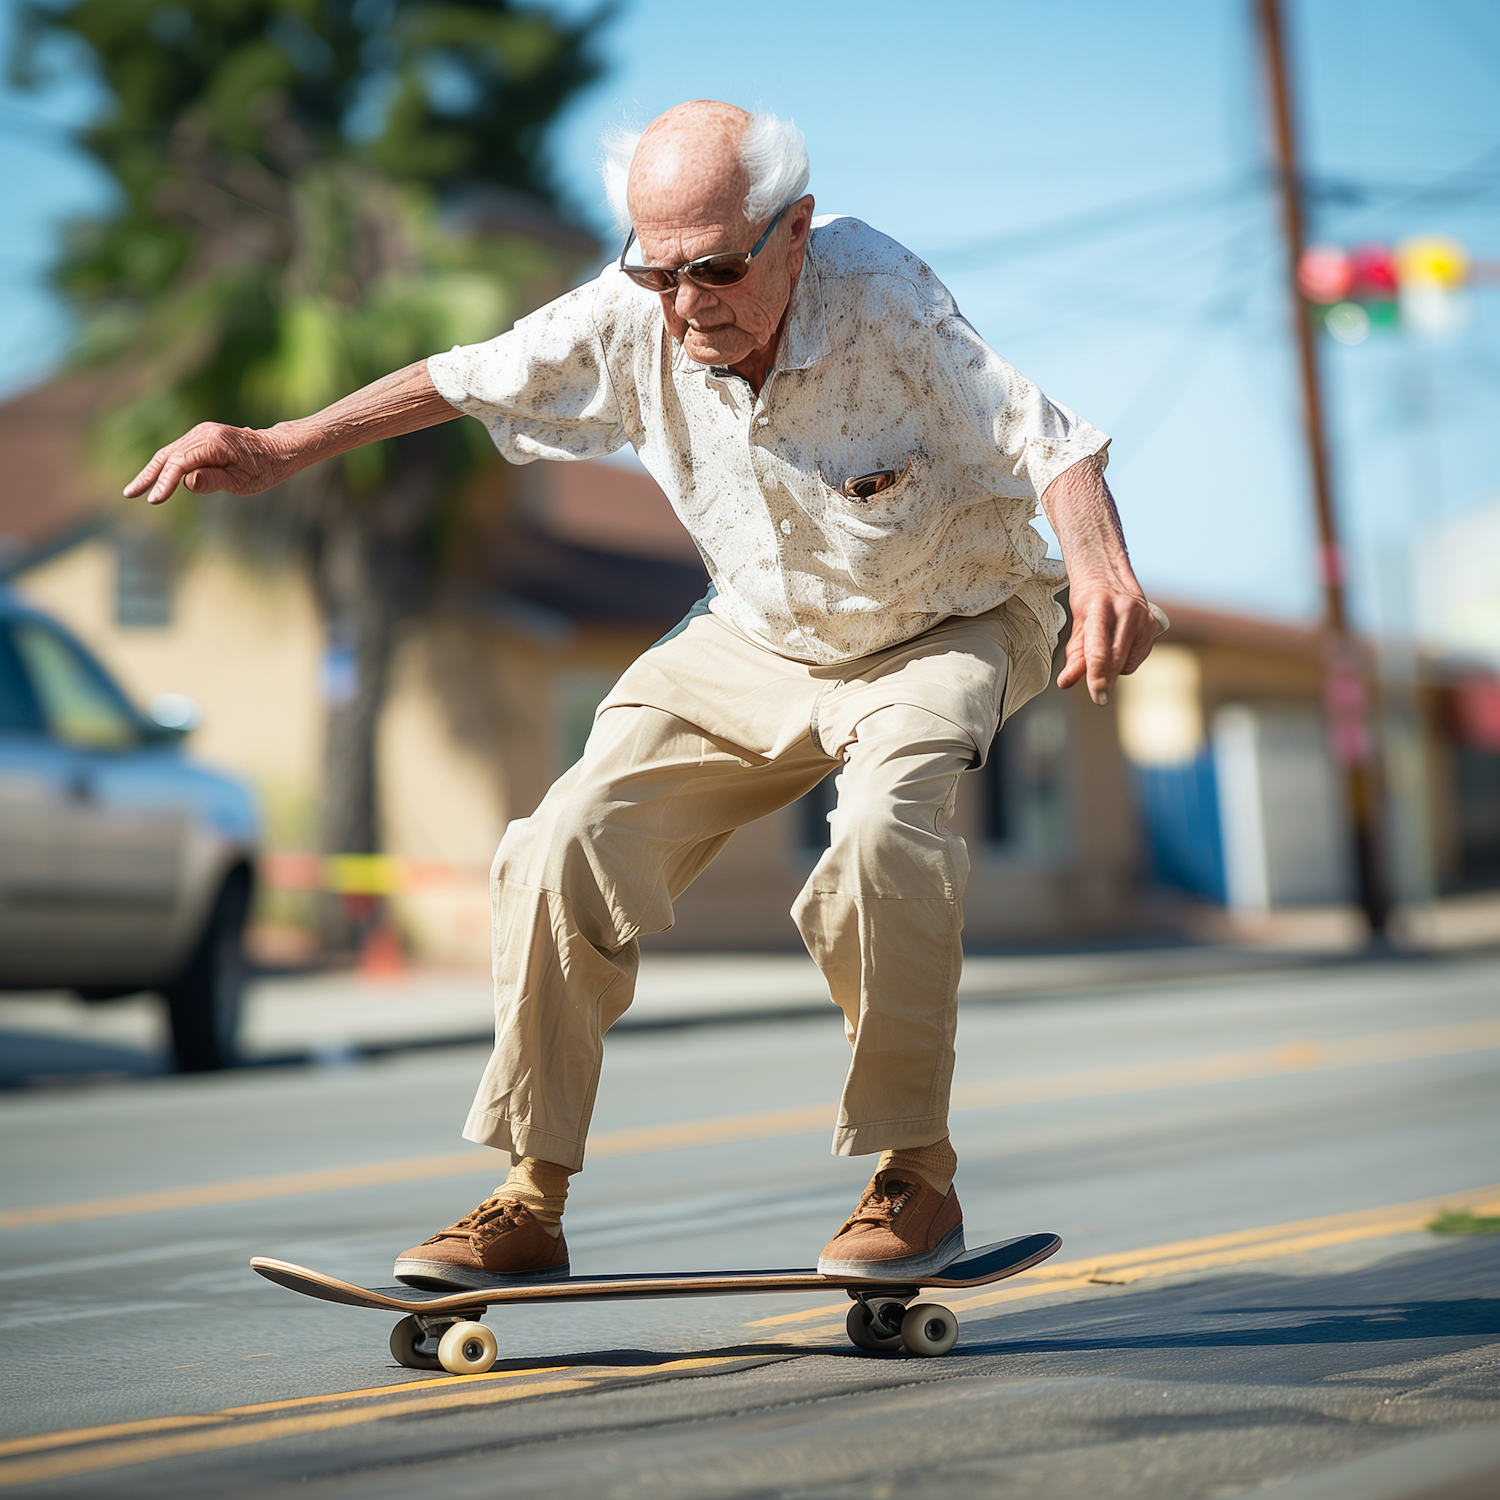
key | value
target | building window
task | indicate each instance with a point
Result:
(1024, 807)
(1477, 785)
(576, 698)
(811, 810)
(145, 565)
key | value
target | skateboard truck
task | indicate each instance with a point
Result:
(890, 1317)
(455, 1341)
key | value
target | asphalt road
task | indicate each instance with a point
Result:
(1240, 1169)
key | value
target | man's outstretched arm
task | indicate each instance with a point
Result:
(1113, 626)
(247, 460)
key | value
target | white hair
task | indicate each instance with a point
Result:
(773, 152)
(775, 157)
(616, 148)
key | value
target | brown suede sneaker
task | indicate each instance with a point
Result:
(496, 1244)
(902, 1230)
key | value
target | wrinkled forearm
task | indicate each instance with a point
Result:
(405, 401)
(1082, 512)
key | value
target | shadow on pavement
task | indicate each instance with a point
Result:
(645, 1360)
(32, 1059)
(1468, 1318)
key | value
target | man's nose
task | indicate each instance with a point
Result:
(692, 299)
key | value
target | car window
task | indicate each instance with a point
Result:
(18, 708)
(78, 707)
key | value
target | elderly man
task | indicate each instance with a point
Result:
(858, 470)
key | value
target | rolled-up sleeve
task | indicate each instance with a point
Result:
(1014, 440)
(543, 389)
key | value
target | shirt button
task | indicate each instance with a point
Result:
(762, 421)
(786, 528)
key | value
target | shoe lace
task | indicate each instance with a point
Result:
(493, 1214)
(883, 1200)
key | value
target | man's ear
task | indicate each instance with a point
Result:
(800, 218)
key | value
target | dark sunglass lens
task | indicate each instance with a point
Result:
(651, 278)
(720, 273)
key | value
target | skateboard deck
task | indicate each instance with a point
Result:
(441, 1329)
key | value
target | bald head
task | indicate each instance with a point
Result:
(688, 167)
(708, 179)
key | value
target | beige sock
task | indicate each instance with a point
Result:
(934, 1164)
(542, 1186)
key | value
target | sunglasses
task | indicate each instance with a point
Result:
(710, 272)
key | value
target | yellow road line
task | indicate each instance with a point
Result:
(146, 1450)
(74, 1436)
(287, 1184)
(1227, 1067)
(1259, 1062)
(759, 1126)
(400, 1388)
(237, 1433)
(1265, 1243)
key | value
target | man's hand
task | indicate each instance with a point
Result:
(1112, 635)
(1113, 625)
(245, 461)
(214, 457)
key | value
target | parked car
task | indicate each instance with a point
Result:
(124, 866)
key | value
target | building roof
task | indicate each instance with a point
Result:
(1192, 625)
(612, 507)
(599, 542)
(47, 497)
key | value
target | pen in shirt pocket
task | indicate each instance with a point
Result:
(866, 486)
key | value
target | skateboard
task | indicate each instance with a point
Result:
(442, 1331)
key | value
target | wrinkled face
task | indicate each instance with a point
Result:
(686, 194)
(724, 325)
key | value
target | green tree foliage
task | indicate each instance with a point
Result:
(282, 168)
(443, 94)
(291, 175)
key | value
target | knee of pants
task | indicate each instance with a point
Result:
(889, 829)
(558, 849)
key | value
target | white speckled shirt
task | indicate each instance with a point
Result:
(877, 370)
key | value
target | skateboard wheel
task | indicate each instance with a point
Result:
(470, 1349)
(929, 1330)
(405, 1337)
(862, 1325)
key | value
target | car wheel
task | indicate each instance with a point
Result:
(203, 1001)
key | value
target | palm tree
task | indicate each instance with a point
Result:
(289, 174)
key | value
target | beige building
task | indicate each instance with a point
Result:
(1208, 773)
(491, 697)
(1241, 803)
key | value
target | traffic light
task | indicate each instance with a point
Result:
(1418, 286)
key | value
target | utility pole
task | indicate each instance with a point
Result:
(1345, 685)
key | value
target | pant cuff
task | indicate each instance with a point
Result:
(521, 1139)
(888, 1135)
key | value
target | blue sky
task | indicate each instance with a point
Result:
(1089, 180)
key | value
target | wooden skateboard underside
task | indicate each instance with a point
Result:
(973, 1268)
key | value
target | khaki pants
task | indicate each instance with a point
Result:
(707, 731)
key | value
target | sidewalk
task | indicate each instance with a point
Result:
(331, 1016)
(344, 1012)
(341, 1015)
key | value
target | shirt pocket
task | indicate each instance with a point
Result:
(879, 544)
(882, 513)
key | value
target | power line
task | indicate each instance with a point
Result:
(1114, 217)
(1170, 380)
(1472, 180)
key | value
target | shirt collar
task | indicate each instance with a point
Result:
(806, 339)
